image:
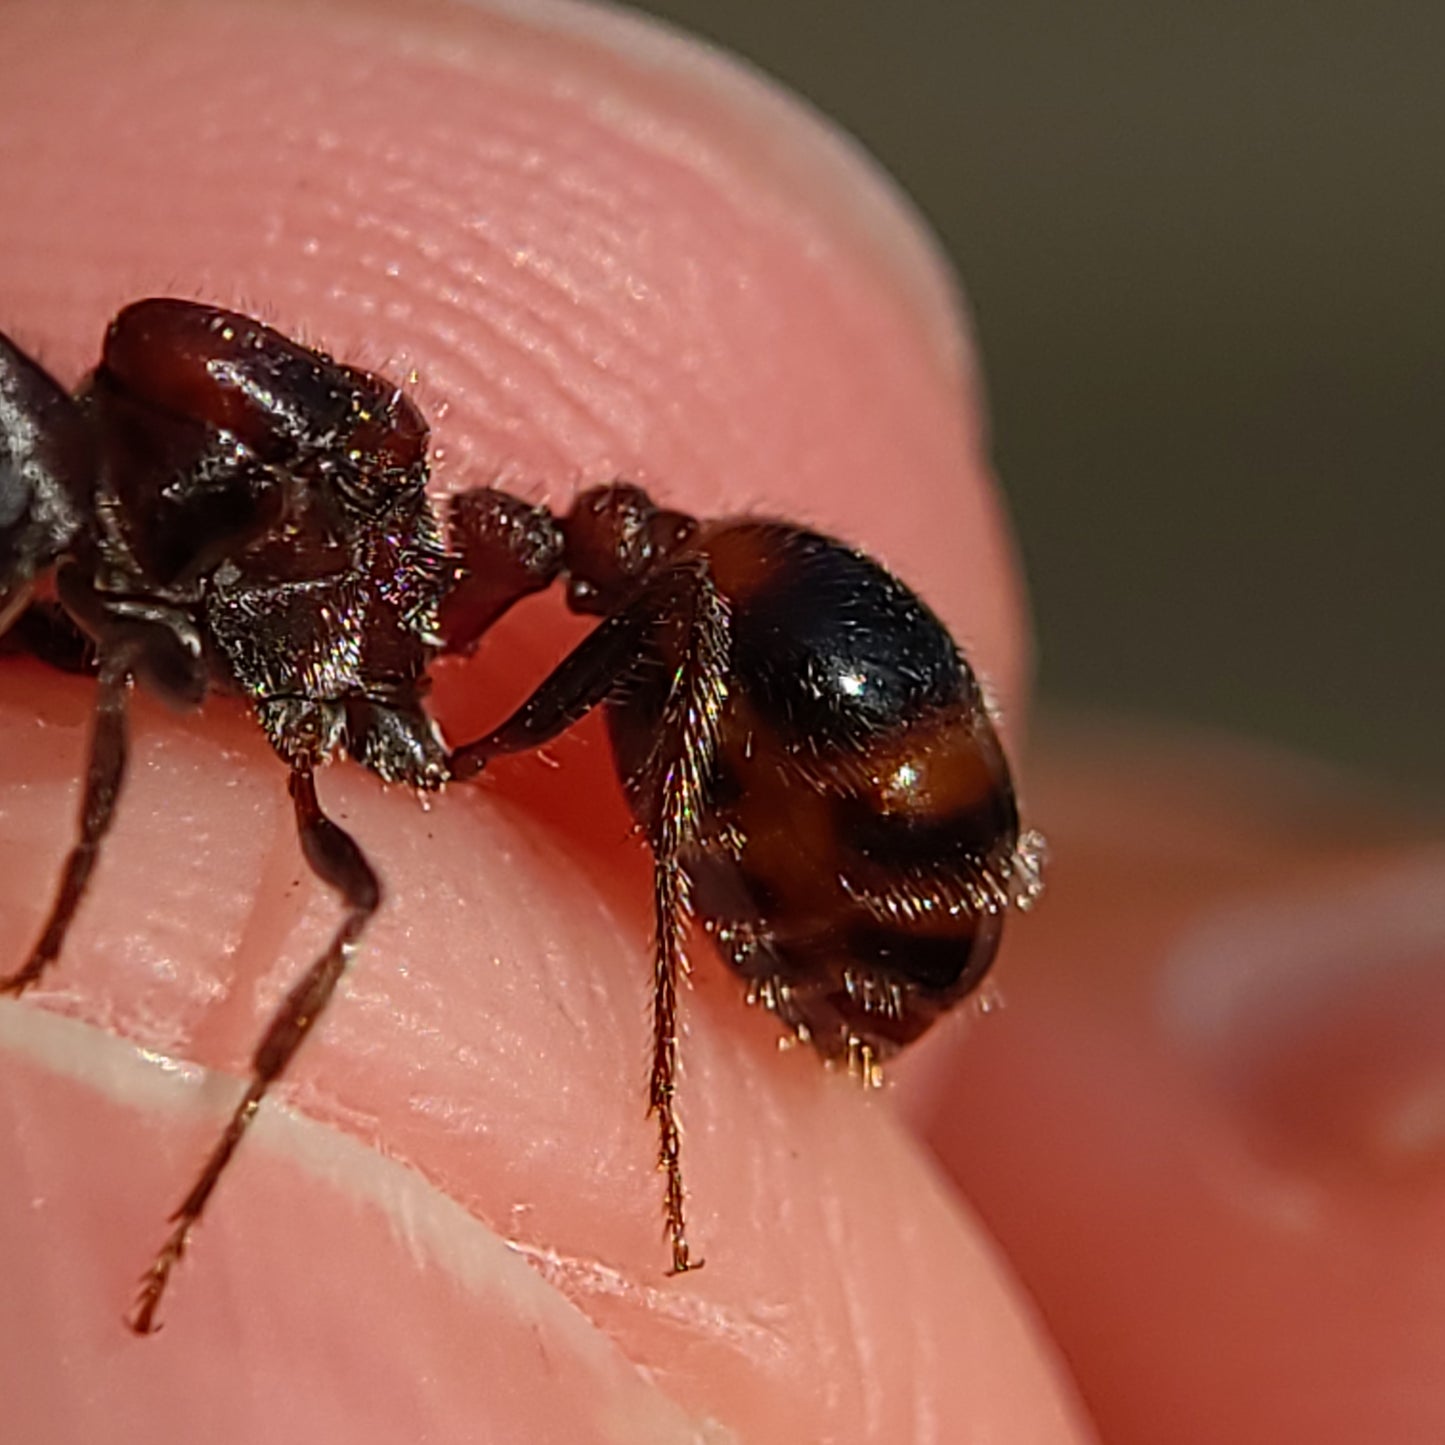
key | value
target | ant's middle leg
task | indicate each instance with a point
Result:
(337, 861)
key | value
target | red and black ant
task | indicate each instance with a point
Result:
(806, 751)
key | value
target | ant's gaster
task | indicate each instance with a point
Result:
(813, 764)
(222, 509)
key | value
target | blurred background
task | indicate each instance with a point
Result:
(1205, 249)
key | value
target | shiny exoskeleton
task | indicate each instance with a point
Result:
(219, 508)
(809, 757)
(813, 764)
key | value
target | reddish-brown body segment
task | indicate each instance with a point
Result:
(225, 509)
(813, 764)
(856, 830)
(807, 752)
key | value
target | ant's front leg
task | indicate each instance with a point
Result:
(104, 773)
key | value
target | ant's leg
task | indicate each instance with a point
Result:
(46, 467)
(589, 674)
(164, 649)
(508, 548)
(684, 757)
(336, 859)
(12, 607)
(397, 741)
(670, 792)
(104, 774)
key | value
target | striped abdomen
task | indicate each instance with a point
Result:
(860, 826)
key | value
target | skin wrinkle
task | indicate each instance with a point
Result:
(814, 160)
(508, 317)
(860, 1369)
(744, 1331)
(923, 1349)
(628, 386)
(818, 160)
(566, 315)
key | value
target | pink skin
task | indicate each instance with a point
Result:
(605, 253)
(1209, 1128)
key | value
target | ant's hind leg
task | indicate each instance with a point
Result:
(683, 758)
(669, 794)
(337, 861)
(104, 773)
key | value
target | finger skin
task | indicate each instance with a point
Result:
(1207, 1122)
(600, 258)
(451, 1338)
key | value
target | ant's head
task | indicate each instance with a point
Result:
(191, 365)
(224, 435)
(616, 538)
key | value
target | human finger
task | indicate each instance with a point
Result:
(1206, 1120)
(601, 253)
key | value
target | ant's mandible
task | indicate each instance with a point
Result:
(807, 752)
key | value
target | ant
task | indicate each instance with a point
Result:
(806, 751)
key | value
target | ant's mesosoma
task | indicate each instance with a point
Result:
(798, 737)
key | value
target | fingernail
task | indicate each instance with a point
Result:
(1321, 1014)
